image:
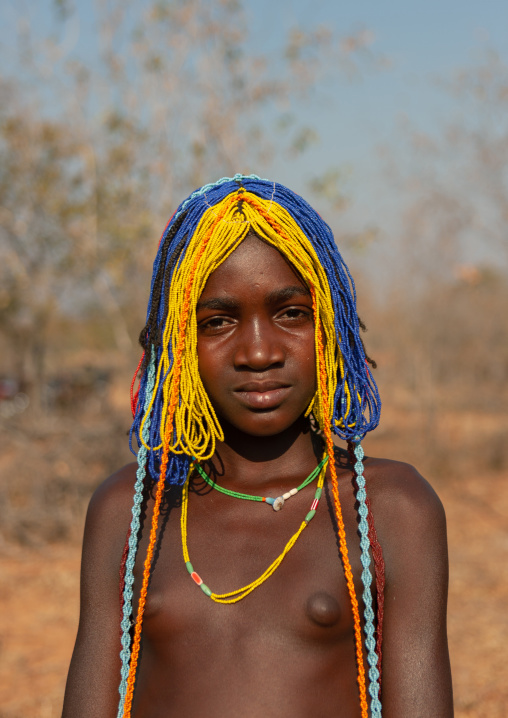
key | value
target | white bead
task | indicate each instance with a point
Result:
(293, 492)
(278, 503)
(286, 496)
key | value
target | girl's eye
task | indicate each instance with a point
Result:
(296, 313)
(214, 323)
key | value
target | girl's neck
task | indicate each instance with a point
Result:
(255, 461)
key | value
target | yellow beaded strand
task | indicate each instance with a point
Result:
(235, 596)
(195, 424)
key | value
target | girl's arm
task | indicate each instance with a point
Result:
(94, 673)
(411, 524)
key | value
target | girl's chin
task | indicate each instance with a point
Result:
(263, 424)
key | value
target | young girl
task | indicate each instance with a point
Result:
(263, 570)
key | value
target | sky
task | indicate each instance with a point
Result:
(422, 44)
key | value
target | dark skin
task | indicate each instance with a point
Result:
(287, 649)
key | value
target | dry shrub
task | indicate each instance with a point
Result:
(443, 375)
(51, 463)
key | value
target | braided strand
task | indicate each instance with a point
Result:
(127, 708)
(363, 527)
(342, 536)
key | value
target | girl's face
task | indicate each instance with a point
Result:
(256, 341)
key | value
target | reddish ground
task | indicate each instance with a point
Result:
(39, 610)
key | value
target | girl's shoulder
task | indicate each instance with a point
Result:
(395, 486)
(408, 515)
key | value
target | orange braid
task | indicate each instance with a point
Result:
(333, 472)
(131, 680)
(144, 589)
(340, 521)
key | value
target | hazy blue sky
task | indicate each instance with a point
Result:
(423, 42)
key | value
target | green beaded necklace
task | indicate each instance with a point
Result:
(276, 503)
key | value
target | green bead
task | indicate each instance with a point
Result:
(189, 567)
(310, 515)
(205, 589)
(318, 493)
(238, 495)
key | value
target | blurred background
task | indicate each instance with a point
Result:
(391, 118)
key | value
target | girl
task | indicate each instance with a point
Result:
(266, 572)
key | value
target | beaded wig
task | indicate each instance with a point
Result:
(175, 425)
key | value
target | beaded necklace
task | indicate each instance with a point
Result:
(276, 503)
(234, 596)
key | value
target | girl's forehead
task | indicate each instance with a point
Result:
(254, 262)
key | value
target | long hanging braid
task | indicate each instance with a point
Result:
(173, 417)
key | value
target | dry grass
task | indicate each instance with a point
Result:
(39, 593)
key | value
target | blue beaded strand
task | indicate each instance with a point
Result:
(370, 641)
(133, 545)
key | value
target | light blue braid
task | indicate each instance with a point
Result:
(370, 641)
(207, 187)
(133, 543)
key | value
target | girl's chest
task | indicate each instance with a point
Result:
(265, 572)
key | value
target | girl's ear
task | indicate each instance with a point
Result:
(314, 426)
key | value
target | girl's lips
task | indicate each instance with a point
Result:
(263, 398)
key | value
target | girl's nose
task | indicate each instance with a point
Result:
(259, 346)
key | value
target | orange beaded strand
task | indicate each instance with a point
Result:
(131, 680)
(340, 521)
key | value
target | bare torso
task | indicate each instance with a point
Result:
(287, 648)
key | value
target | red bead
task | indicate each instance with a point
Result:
(196, 578)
